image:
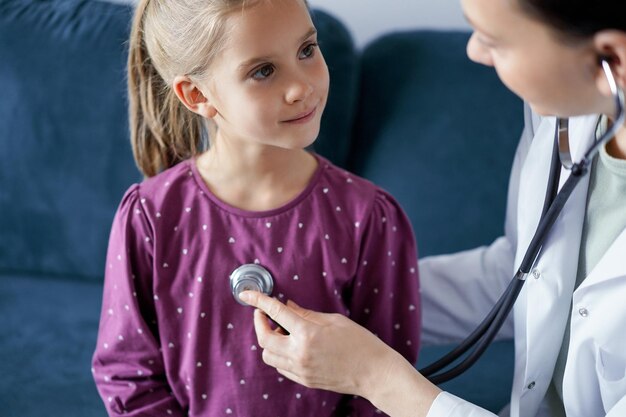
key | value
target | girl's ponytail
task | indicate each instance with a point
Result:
(163, 132)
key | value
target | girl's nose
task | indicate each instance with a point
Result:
(298, 90)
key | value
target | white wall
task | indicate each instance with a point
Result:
(367, 19)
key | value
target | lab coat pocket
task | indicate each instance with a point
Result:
(611, 370)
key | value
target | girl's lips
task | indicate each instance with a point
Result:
(303, 117)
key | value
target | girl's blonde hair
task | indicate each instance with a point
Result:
(169, 38)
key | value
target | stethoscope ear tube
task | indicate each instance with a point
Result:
(620, 116)
(554, 202)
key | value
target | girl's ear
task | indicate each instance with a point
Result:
(611, 44)
(192, 97)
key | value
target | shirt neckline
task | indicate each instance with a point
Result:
(263, 213)
(614, 165)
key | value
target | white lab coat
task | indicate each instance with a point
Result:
(459, 289)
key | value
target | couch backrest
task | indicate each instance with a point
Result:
(63, 133)
(64, 144)
(439, 132)
(433, 128)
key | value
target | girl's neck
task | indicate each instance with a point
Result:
(257, 179)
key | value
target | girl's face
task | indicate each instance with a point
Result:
(270, 85)
(554, 76)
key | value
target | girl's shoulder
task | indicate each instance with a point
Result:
(351, 190)
(349, 184)
(167, 190)
(171, 179)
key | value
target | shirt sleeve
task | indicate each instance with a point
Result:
(385, 295)
(127, 365)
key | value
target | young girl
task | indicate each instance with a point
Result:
(562, 57)
(248, 77)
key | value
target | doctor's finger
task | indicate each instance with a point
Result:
(261, 326)
(276, 310)
(268, 338)
(275, 360)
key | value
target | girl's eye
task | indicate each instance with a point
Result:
(308, 51)
(263, 72)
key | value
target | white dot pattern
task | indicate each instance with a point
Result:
(175, 284)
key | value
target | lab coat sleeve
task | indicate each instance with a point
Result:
(127, 366)
(619, 409)
(458, 290)
(448, 405)
(384, 295)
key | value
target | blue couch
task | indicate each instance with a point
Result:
(409, 112)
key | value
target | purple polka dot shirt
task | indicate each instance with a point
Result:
(174, 342)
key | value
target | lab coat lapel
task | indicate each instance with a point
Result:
(545, 301)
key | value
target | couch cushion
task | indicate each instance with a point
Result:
(439, 132)
(47, 336)
(66, 156)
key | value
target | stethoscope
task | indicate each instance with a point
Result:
(554, 202)
(256, 277)
(250, 277)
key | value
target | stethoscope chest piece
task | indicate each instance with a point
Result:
(250, 277)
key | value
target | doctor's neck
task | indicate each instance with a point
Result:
(617, 146)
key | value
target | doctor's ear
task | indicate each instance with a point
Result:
(610, 44)
(192, 97)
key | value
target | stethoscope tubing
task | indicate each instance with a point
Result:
(555, 201)
(618, 98)
(514, 286)
(470, 341)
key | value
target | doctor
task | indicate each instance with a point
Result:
(570, 318)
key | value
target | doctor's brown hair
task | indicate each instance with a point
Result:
(578, 18)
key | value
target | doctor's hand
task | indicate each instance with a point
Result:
(331, 352)
(326, 351)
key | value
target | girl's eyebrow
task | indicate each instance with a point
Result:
(250, 62)
(312, 31)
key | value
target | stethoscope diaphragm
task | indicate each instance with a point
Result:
(250, 277)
